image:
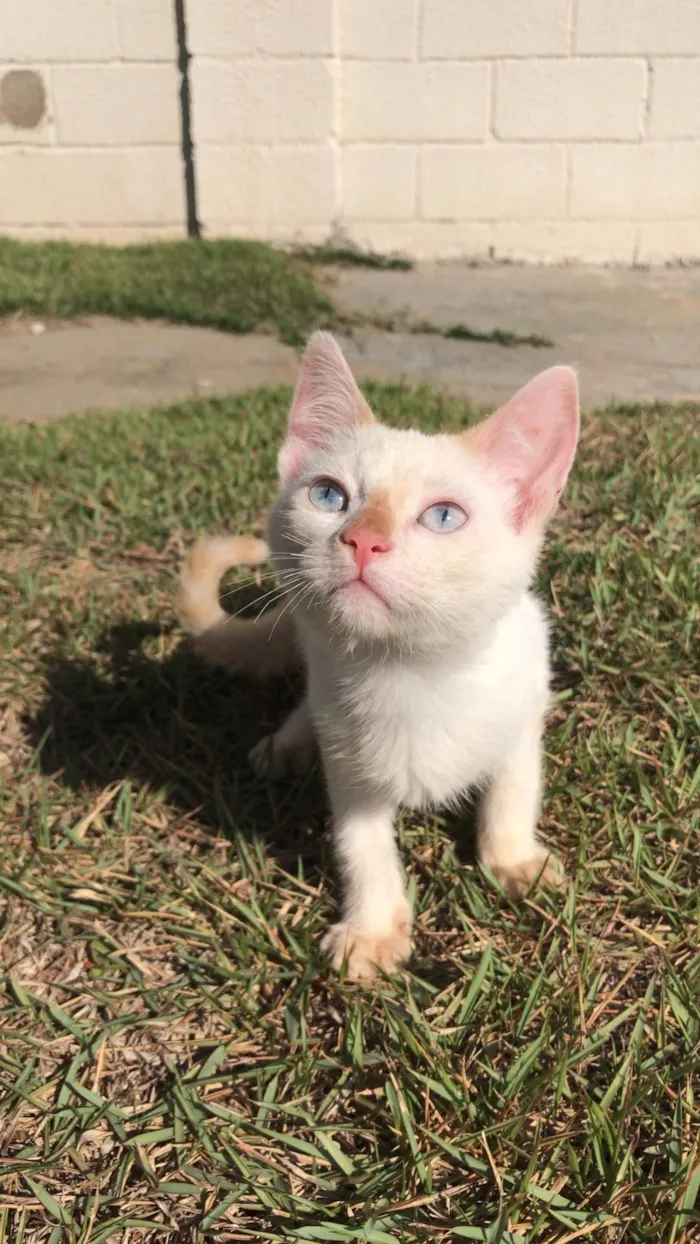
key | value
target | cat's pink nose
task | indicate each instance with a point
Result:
(364, 544)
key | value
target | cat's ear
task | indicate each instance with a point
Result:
(326, 401)
(531, 441)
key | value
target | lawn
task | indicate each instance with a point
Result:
(227, 283)
(231, 284)
(176, 1060)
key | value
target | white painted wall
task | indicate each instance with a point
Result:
(105, 160)
(524, 129)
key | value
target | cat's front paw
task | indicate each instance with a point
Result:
(272, 758)
(265, 759)
(365, 953)
(516, 879)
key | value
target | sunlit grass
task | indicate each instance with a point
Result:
(176, 1060)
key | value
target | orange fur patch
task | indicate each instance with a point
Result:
(377, 515)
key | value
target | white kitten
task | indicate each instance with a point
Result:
(408, 560)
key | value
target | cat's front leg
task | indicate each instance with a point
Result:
(291, 749)
(507, 842)
(374, 934)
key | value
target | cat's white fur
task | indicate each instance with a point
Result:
(428, 677)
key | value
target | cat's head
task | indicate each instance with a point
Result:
(396, 536)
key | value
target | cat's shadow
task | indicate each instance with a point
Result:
(178, 727)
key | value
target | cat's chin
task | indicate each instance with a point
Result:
(361, 609)
(359, 593)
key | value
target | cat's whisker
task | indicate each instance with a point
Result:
(240, 587)
(291, 588)
(291, 536)
(294, 602)
(275, 593)
(254, 581)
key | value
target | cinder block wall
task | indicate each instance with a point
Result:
(98, 155)
(525, 129)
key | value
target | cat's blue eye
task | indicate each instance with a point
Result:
(325, 494)
(443, 517)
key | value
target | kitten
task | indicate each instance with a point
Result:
(406, 560)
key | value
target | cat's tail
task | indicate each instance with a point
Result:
(265, 646)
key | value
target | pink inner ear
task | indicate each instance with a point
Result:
(532, 441)
(326, 402)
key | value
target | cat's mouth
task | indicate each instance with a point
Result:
(360, 586)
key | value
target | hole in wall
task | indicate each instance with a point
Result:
(22, 98)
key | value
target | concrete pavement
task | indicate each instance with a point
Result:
(633, 335)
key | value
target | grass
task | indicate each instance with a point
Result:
(498, 336)
(233, 285)
(230, 284)
(176, 1061)
(456, 332)
(354, 257)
